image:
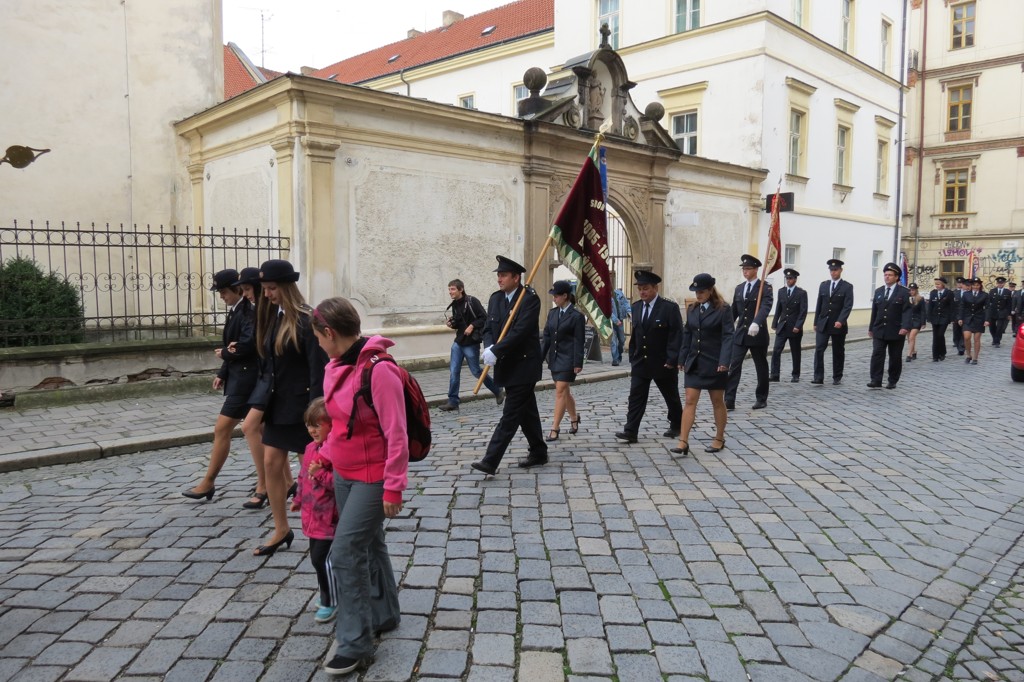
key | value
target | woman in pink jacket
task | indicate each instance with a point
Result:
(370, 463)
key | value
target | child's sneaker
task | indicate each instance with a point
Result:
(325, 614)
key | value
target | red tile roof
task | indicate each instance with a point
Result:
(240, 74)
(513, 21)
(237, 78)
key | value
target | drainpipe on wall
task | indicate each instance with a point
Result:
(408, 87)
(922, 62)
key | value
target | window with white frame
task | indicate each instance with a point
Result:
(882, 167)
(790, 255)
(799, 12)
(519, 93)
(886, 39)
(684, 131)
(608, 13)
(797, 126)
(846, 28)
(839, 254)
(687, 15)
(842, 155)
(876, 263)
(466, 101)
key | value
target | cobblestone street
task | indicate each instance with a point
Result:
(844, 533)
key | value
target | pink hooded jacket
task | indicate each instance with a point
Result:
(368, 456)
(316, 496)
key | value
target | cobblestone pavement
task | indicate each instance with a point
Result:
(844, 533)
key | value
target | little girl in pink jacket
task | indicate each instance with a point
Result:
(315, 499)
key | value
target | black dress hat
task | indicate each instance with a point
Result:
(508, 265)
(960, 280)
(892, 267)
(748, 261)
(702, 282)
(249, 276)
(834, 263)
(646, 277)
(561, 287)
(913, 285)
(279, 271)
(1000, 279)
(790, 272)
(224, 279)
(941, 279)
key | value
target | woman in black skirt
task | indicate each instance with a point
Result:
(704, 358)
(295, 364)
(563, 347)
(917, 320)
(973, 318)
(236, 377)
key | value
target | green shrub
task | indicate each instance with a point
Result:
(37, 309)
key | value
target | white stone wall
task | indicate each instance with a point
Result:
(100, 83)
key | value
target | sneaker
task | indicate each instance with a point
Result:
(342, 665)
(325, 614)
(499, 397)
(449, 407)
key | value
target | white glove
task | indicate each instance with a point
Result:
(753, 329)
(490, 359)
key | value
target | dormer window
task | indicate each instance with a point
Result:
(393, 58)
(488, 31)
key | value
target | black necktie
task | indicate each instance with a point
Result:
(888, 290)
(833, 288)
(647, 313)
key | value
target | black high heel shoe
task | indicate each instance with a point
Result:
(712, 448)
(260, 501)
(574, 426)
(268, 550)
(198, 496)
(684, 451)
(294, 489)
(552, 436)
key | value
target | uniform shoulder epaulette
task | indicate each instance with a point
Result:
(306, 308)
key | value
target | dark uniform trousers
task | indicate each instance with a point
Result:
(743, 309)
(940, 310)
(999, 313)
(888, 317)
(834, 305)
(654, 344)
(791, 313)
(958, 329)
(518, 370)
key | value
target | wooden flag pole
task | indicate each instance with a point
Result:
(768, 248)
(515, 308)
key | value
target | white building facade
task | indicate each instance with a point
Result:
(808, 91)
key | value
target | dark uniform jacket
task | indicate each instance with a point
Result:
(833, 307)
(940, 306)
(1015, 307)
(707, 340)
(297, 374)
(656, 343)
(917, 313)
(974, 310)
(744, 313)
(888, 317)
(239, 370)
(563, 339)
(790, 312)
(519, 358)
(999, 304)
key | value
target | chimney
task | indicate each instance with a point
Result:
(413, 33)
(449, 17)
(307, 70)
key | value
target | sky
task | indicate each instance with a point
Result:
(317, 33)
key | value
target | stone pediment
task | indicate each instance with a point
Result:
(592, 90)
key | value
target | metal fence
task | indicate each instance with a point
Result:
(133, 282)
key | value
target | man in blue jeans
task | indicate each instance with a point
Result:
(620, 313)
(467, 319)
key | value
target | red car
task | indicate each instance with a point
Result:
(1017, 356)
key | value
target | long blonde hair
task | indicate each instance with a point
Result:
(292, 304)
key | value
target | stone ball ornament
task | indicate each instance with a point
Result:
(654, 111)
(535, 79)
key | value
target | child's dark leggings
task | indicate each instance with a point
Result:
(320, 556)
